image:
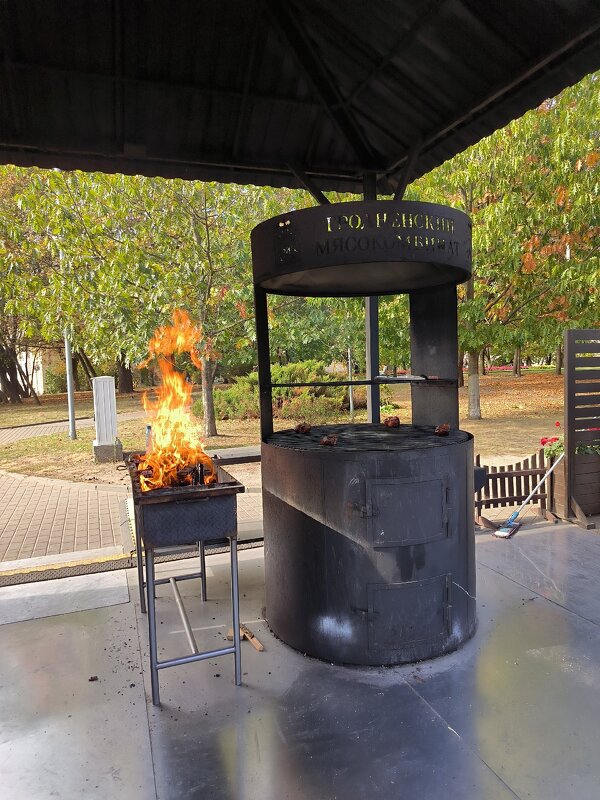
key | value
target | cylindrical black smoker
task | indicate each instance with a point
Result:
(369, 544)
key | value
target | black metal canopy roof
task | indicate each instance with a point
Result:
(278, 93)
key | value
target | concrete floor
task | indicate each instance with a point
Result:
(514, 714)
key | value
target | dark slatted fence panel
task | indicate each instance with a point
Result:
(582, 421)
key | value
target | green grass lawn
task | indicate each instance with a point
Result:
(54, 408)
(56, 456)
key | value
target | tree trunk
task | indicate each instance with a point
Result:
(559, 360)
(474, 396)
(482, 362)
(461, 375)
(209, 368)
(516, 371)
(9, 378)
(125, 376)
(9, 389)
(75, 361)
(27, 382)
(87, 365)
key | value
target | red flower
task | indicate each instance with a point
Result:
(557, 424)
(544, 440)
(554, 439)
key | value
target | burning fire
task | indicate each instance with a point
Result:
(175, 452)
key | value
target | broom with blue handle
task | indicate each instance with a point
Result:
(511, 526)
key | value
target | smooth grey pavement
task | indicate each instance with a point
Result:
(512, 715)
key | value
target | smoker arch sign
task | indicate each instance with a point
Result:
(358, 248)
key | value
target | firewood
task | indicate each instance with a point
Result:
(246, 633)
(391, 422)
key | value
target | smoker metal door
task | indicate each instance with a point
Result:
(402, 511)
(401, 614)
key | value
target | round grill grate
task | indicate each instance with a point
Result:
(366, 437)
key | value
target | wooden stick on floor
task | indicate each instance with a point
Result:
(246, 633)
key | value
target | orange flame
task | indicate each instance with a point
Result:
(175, 442)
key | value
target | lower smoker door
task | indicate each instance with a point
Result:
(408, 613)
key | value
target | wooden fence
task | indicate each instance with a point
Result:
(509, 484)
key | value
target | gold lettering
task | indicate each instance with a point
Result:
(355, 222)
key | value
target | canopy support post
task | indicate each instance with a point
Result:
(372, 325)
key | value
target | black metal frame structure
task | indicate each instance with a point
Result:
(433, 310)
(299, 94)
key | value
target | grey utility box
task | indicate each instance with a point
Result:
(106, 446)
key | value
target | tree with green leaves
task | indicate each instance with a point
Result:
(531, 190)
(122, 252)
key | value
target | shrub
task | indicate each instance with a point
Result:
(311, 409)
(239, 401)
(301, 372)
(313, 404)
(55, 380)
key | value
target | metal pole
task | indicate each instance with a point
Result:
(152, 626)
(70, 395)
(264, 362)
(202, 569)
(235, 602)
(184, 617)
(372, 324)
(350, 389)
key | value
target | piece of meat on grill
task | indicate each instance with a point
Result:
(329, 441)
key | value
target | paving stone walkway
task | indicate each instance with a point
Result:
(43, 516)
